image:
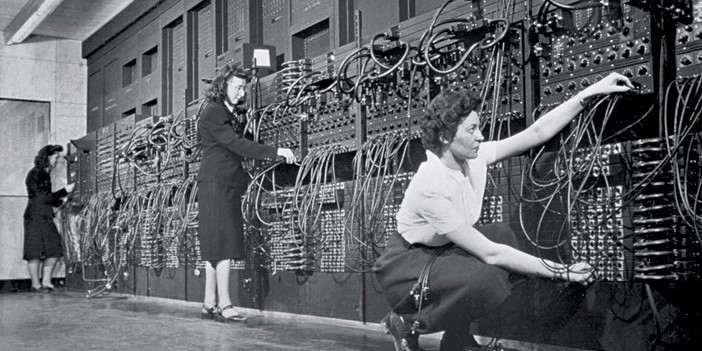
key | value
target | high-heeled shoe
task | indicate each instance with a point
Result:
(209, 312)
(219, 317)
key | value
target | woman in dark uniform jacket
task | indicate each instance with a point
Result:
(221, 183)
(41, 238)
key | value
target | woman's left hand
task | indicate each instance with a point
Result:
(580, 272)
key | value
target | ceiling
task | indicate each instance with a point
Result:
(72, 19)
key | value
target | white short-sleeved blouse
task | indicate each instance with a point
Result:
(439, 199)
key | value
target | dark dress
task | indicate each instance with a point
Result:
(222, 181)
(41, 238)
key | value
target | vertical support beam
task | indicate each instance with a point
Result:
(531, 84)
(530, 81)
(166, 66)
(663, 34)
(360, 139)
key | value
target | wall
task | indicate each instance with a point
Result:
(47, 70)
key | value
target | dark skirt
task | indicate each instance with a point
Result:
(220, 230)
(41, 238)
(461, 287)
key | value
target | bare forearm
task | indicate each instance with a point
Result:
(503, 256)
(517, 261)
(555, 120)
(509, 258)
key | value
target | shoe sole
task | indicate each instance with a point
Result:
(232, 319)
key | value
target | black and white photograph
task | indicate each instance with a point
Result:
(351, 175)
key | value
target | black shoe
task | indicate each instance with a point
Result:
(209, 312)
(401, 332)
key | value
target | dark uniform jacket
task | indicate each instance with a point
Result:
(41, 200)
(224, 147)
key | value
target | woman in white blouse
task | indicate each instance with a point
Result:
(465, 269)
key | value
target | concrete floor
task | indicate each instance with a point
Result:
(65, 320)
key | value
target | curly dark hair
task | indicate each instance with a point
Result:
(218, 89)
(445, 112)
(41, 160)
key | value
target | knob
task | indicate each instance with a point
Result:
(597, 60)
(615, 47)
(559, 88)
(516, 98)
(612, 56)
(628, 73)
(643, 70)
(547, 91)
(597, 35)
(584, 62)
(645, 40)
(585, 82)
(571, 65)
(684, 37)
(611, 30)
(626, 31)
(642, 49)
(626, 53)
(558, 69)
(571, 41)
(630, 43)
(686, 60)
(571, 85)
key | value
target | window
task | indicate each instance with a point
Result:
(128, 72)
(149, 108)
(130, 112)
(149, 61)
